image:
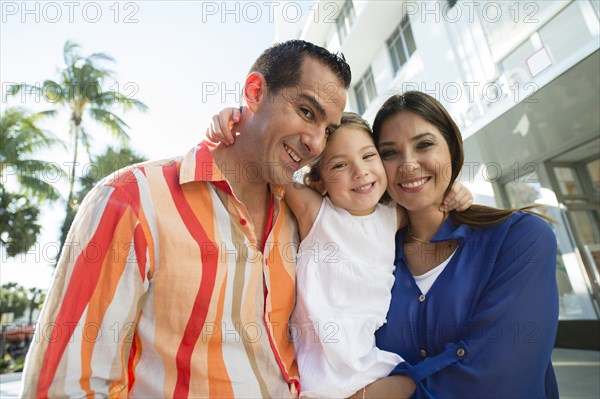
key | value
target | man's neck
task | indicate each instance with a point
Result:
(234, 162)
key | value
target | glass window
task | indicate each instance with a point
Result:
(504, 19)
(574, 299)
(365, 91)
(593, 169)
(568, 181)
(345, 19)
(515, 64)
(566, 31)
(401, 44)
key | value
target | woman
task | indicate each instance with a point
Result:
(474, 305)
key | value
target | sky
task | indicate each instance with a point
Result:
(184, 59)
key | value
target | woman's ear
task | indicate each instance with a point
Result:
(255, 89)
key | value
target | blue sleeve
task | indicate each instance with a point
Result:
(506, 345)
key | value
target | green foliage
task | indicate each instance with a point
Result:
(13, 298)
(19, 226)
(20, 138)
(36, 296)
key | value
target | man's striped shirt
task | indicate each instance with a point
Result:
(162, 292)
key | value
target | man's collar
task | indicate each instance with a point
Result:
(199, 165)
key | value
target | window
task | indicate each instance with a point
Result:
(345, 19)
(365, 91)
(401, 44)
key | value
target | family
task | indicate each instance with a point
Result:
(217, 275)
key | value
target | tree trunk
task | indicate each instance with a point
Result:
(69, 211)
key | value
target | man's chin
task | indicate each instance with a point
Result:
(282, 176)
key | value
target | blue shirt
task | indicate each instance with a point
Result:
(487, 326)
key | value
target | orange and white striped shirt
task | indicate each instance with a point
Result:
(161, 292)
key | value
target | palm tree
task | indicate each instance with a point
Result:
(81, 90)
(20, 137)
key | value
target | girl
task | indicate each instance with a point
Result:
(345, 261)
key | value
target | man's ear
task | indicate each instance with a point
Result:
(255, 89)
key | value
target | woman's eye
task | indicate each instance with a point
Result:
(425, 144)
(387, 154)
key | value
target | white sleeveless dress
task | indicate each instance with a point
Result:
(344, 276)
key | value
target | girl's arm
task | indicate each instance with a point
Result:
(302, 200)
(305, 204)
(458, 199)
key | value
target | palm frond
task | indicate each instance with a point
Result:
(38, 187)
(115, 124)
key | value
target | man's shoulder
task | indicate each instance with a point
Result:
(132, 174)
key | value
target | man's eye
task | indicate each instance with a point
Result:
(306, 112)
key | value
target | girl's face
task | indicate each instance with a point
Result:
(416, 159)
(351, 171)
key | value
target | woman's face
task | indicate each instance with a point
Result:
(416, 159)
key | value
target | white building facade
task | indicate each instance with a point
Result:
(522, 80)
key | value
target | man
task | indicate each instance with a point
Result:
(178, 276)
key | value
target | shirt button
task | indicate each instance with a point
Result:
(423, 353)
(421, 298)
(460, 352)
(243, 222)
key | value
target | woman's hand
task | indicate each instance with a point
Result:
(221, 126)
(459, 198)
(396, 386)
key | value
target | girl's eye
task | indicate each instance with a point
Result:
(338, 165)
(369, 155)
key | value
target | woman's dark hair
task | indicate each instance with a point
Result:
(281, 64)
(348, 119)
(433, 111)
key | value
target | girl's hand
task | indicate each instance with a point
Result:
(221, 126)
(459, 198)
(396, 386)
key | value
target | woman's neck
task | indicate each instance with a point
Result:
(425, 223)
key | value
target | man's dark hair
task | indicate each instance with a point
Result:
(281, 64)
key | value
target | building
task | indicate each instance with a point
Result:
(522, 80)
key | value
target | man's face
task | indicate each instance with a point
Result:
(295, 121)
